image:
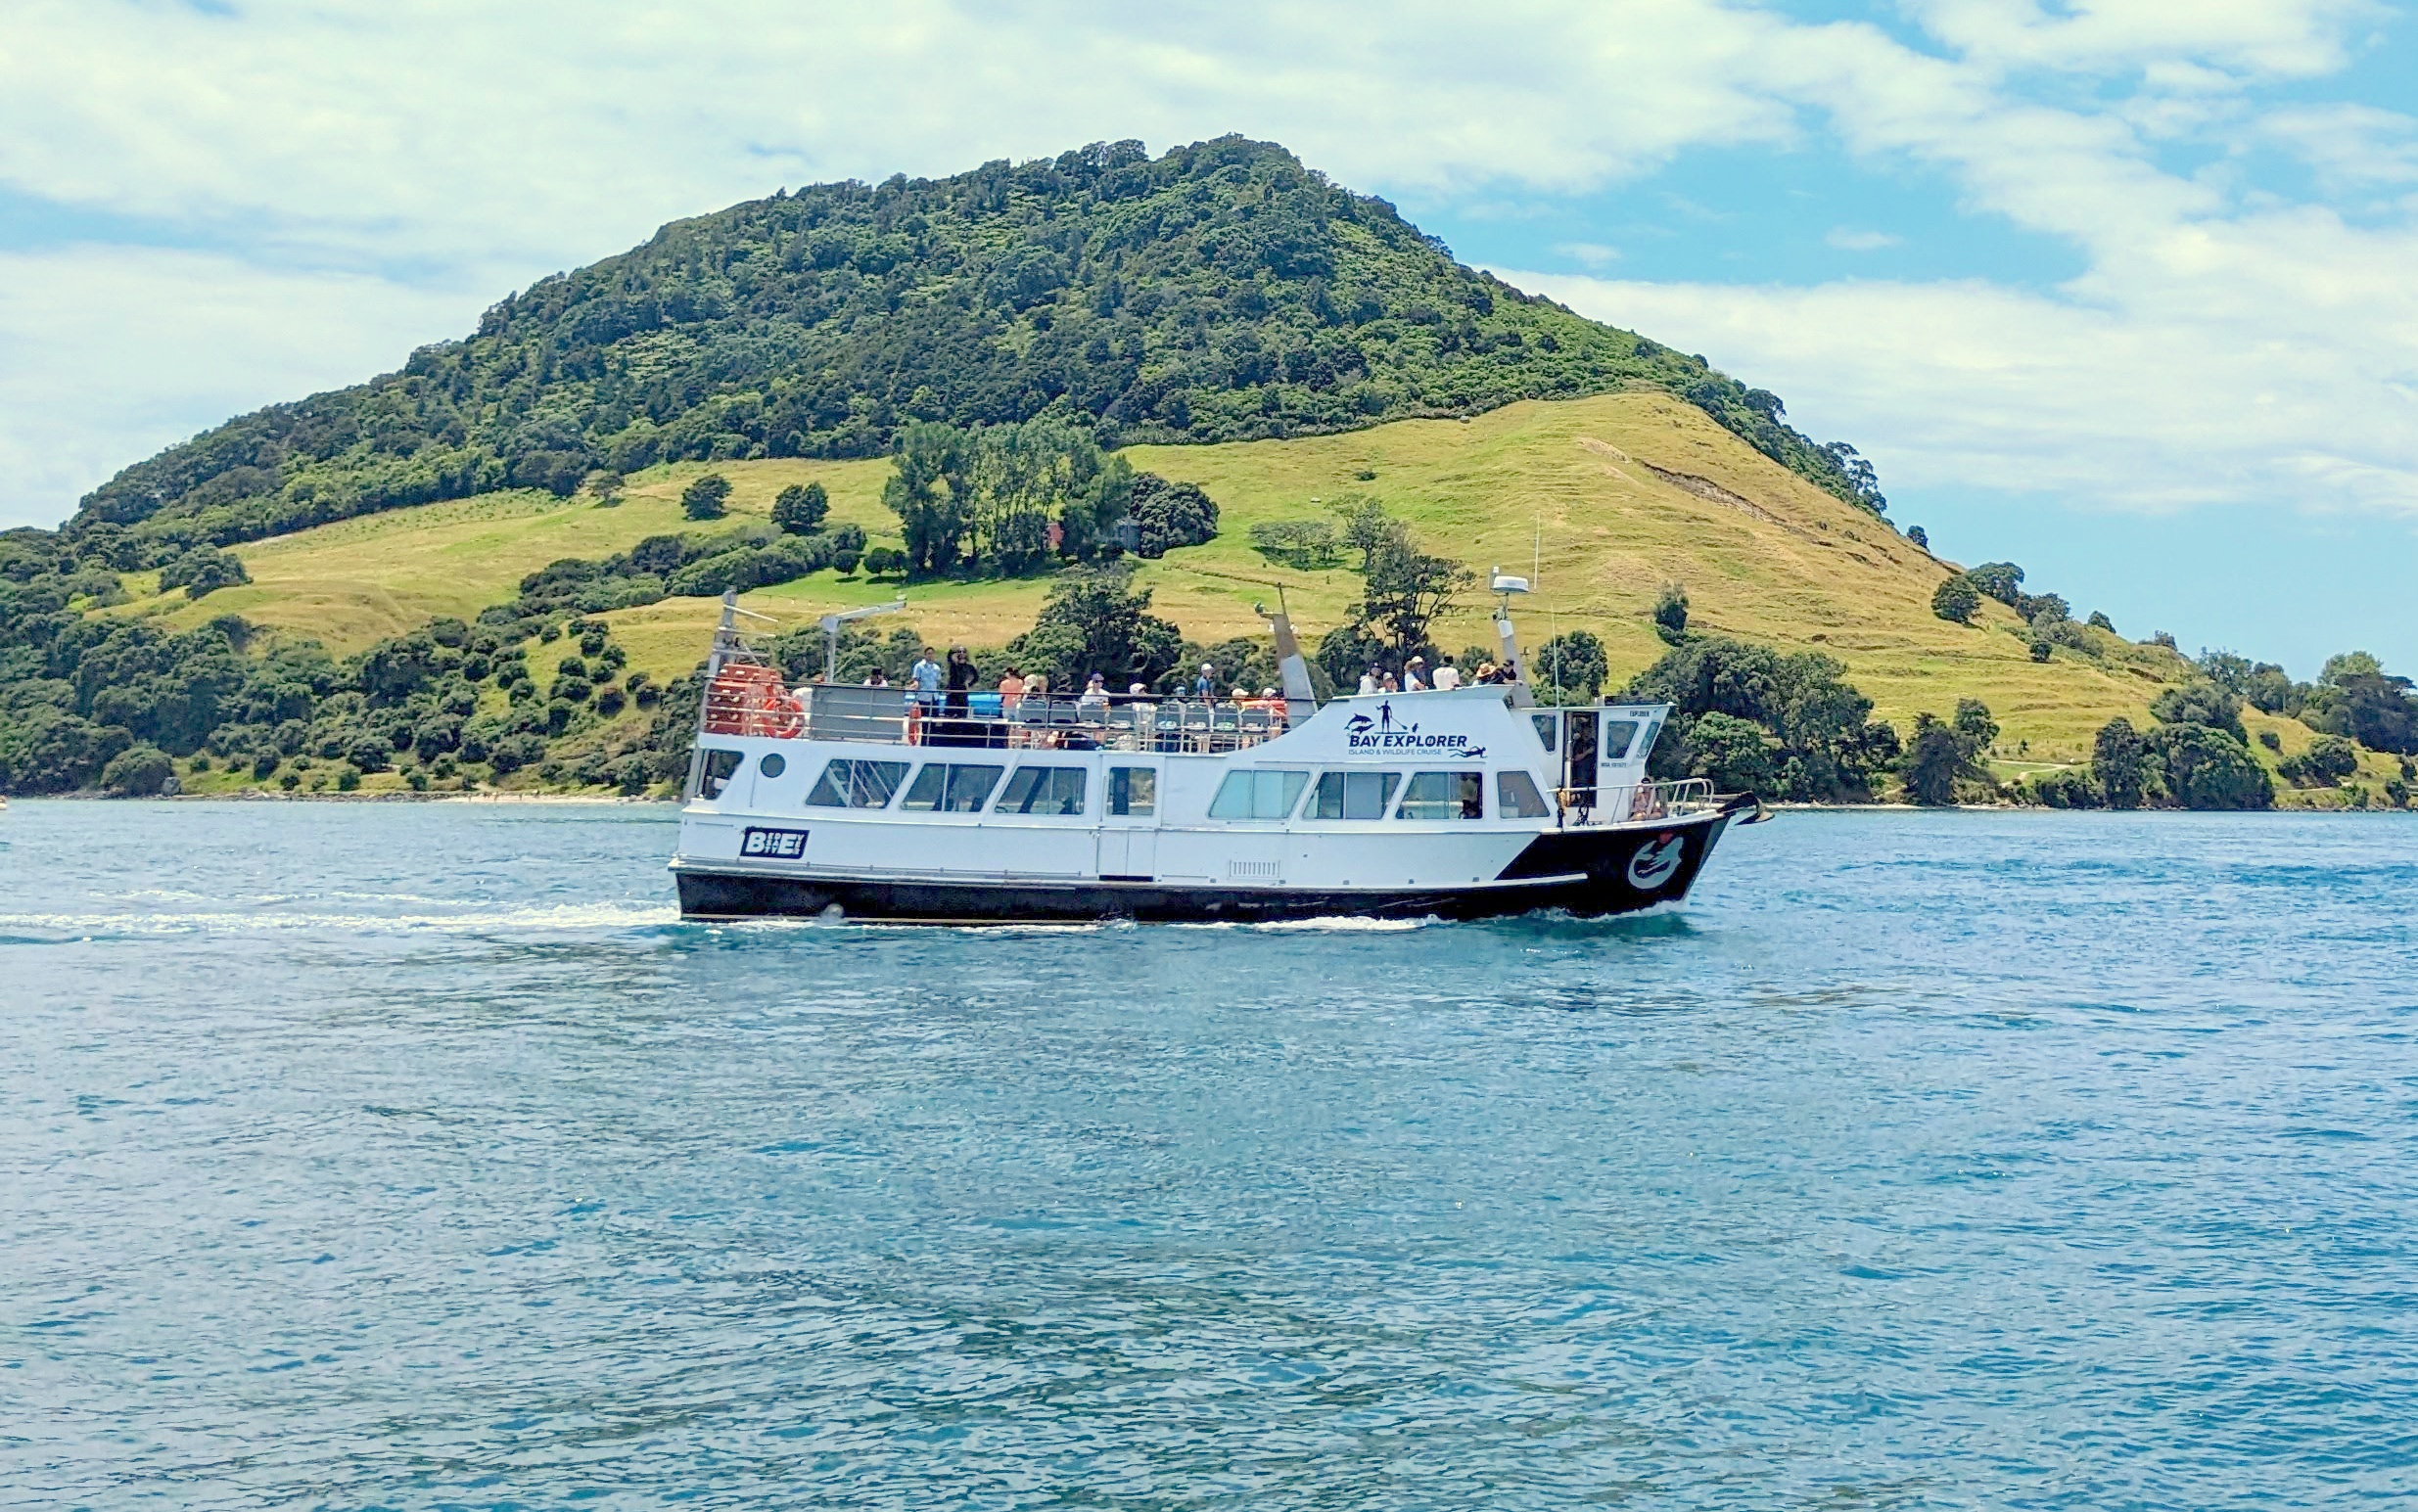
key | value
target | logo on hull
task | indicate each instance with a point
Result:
(1656, 860)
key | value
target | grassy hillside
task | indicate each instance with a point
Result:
(1222, 291)
(1631, 490)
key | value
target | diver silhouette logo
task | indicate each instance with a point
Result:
(1656, 860)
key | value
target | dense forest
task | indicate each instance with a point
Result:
(1219, 291)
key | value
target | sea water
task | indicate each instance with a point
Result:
(418, 1156)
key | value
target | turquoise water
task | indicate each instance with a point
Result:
(416, 1156)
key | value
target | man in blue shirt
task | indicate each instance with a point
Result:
(926, 675)
(1205, 686)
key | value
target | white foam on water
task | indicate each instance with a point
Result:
(474, 919)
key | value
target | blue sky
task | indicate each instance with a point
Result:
(2120, 291)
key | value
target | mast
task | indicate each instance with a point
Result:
(1523, 694)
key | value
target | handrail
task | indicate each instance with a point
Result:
(1634, 802)
(742, 702)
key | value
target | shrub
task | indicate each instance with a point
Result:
(610, 701)
(138, 771)
(1671, 614)
(1934, 760)
(1310, 545)
(203, 570)
(2270, 740)
(2328, 761)
(1956, 600)
(798, 510)
(885, 561)
(347, 778)
(2207, 768)
(708, 498)
(1732, 752)
(2042, 650)
(1169, 515)
(1919, 537)
(2067, 788)
(2202, 703)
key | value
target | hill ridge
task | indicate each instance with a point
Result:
(1219, 291)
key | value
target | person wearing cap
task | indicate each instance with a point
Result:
(1368, 680)
(1448, 676)
(1205, 686)
(1413, 675)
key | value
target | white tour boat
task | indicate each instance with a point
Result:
(1459, 804)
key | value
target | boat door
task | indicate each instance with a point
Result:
(1578, 744)
(1129, 842)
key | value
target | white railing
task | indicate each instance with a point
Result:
(1636, 804)
(742, 702)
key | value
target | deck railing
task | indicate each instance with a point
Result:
(1637, 802)
(902, 716)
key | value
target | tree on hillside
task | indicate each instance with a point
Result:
(204, 570)
(2207, 768)
(1671, 614)
(138, 771)
(800, 509)
(2001, 580)
(1933, 760)
(1829, 749)
(2120, 764)
(1917, 537)
(1167, 515)
(1956, 599)
(1402, 589)
(2202, 703)
(1096, 621)
(706, 498)
(1569, 668)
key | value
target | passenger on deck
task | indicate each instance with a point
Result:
(1415, 675)
(1368, 680)
(926, 676)
(877, 679)
(1205, 686)
(1387, 684)
(1011, 692)
(1448, 676)
(1093, 704)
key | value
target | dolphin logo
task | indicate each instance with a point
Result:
(1359, 724)
(1656, 860)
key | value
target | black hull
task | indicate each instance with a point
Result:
(1586, 874)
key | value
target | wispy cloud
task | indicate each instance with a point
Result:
(369, 172)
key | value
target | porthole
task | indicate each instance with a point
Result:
(773, 765)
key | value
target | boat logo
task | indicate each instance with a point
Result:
(1656, 860)
(776, 844)
(1386, 733)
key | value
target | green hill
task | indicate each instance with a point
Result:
(468, 572)
(1221, 292)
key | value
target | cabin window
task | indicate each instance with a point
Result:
(1133, 791)
(1548, 729)
(944, 787)
(1516, 797)
(772, 763)
(1618, 734)
(846, 784)
(1444, 795)
(1056, 790)
(715, 774)
(1354, 794)
(1257, 794)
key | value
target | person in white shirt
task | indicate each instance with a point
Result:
(1448, 675)
(1368, 680)
(1415, 675)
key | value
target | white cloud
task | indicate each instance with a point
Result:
(376, 161)
(109, 353)
(1849, 239)
(1970, 385)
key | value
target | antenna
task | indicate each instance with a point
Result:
(831, 632)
